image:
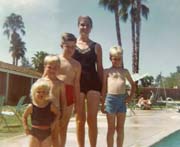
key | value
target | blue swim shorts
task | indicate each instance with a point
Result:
(115, 103)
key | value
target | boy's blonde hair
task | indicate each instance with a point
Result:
(39, 84)
(49, 59)
(116, 51)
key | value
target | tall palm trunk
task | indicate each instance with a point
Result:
(13, 62)
(137, 38)
(118, 32)
(13, 58)
(138, 26)
(117, 26)
(134, 45)
(17, 61)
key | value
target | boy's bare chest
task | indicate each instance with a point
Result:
(116, 75)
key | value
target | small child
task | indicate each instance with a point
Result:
(44, 116)
(115, 97)
(57, 90)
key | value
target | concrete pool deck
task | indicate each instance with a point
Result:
(141, 130)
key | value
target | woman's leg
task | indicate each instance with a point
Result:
(120, 128)
(80, 121)
(93, 98)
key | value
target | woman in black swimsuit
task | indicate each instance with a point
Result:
(89, 54)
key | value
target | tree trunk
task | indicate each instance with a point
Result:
(134, 45)
(13, 61)
(16, 61)
(118, 32)
(117, 26)
(138, 26)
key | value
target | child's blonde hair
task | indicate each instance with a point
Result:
(49, 59)
(39, 84)
(115, 51)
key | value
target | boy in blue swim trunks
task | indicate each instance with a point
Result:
(114, 96)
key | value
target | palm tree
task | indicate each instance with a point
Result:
(13, 27)
(38, 60)
(25, 62)
(17, 49)
(113, 6)
(137, 9)
(21, 51)
(178, 69)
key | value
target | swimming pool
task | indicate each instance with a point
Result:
(173, 140)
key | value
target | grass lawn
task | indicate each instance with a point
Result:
(14, 129)
(14, 126)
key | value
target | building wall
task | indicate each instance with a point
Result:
(2, 83)
(18, 86)
(15, 82)
(168, 92)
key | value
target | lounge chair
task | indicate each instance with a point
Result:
(3, 114)
(18, 109)
(156, 101)
(170, 103)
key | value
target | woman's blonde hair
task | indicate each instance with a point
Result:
(116, 51)
(39, 84)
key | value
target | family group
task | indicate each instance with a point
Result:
(75, 82)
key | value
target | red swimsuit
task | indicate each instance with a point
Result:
(70, 94)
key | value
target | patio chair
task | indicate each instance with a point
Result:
(152, 102)
(132, 106)
(156, 101)
(3, 114)
(171, 103)
(18, 109)
(20, 105)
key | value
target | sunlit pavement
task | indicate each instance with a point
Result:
(141, 130)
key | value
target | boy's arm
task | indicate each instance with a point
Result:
(26, 113)
(104, 90)
(77, 86)
(62, 99)
(133, 87)
(55, 110)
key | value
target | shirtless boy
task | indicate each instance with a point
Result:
(70, 71)
(57, 91)
(115, 97)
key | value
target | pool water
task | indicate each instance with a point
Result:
(173, 140)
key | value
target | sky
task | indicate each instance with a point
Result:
(45, 21)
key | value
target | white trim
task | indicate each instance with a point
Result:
(7, 86)
(18, 73)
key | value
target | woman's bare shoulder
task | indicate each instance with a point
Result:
(98, 47)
